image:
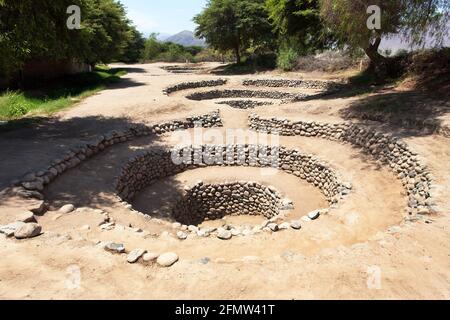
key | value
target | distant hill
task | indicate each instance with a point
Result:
(186, 38)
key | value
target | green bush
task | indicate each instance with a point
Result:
(287, 59)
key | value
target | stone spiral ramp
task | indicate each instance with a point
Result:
(329, 258)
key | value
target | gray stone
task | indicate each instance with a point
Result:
(287, 204)
(28, 230)
(167, 259)
(273, 227)
(135, 255)
(205, 260)
(9, 229)
(115, 247)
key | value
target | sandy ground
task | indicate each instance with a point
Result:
(335, 257)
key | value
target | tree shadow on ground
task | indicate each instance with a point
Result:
(238, 69)
(419, 110)
(32, 148)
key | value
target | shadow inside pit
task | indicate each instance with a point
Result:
(159, 199)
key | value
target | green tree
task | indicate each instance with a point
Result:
(152, 48)
(410, 18)
(235, 25)
(134, 47)
(298, 24)
(36, 29)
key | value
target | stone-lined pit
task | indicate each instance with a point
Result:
(195, 85)
(32, 184)
(385, 148)
(289, 83)
(205, 202)
(245, 104)
(181, 69)
(241, 93)
(144, 170)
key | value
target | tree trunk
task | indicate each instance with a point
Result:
(237, 52)
(378, 63)
(372, 52)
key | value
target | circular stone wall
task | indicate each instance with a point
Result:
(195, 85)
(143, 170)
(245, 104)
(205, 202)
(239, 93)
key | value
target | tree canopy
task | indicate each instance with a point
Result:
(37, 29)
(298, 23)
(414, 19)
(235, 25)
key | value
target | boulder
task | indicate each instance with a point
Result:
(68, 208)
(167, 259)
(26, 217)
(28, 230)
(9, 229)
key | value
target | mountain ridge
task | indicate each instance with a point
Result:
(186, 38)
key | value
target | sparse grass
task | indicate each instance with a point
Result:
(53, 97)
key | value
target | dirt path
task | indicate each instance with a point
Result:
(330, 258)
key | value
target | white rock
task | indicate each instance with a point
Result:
(108, 226)
(296, 225)
(176, 225)
(202, 233)
(193, 229)
(9, 229)
(284, 226)
(134, 255)
(167, 259)
(314, 215)
(182, 235)
(150, 257)
(28, 230)
(68, 208)
(26, 217)
(273, 227)
(235, 232)
(224, 234)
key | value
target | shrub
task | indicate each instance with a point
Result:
(287, 59)
(329, 61)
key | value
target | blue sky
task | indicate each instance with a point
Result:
(163, 16)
